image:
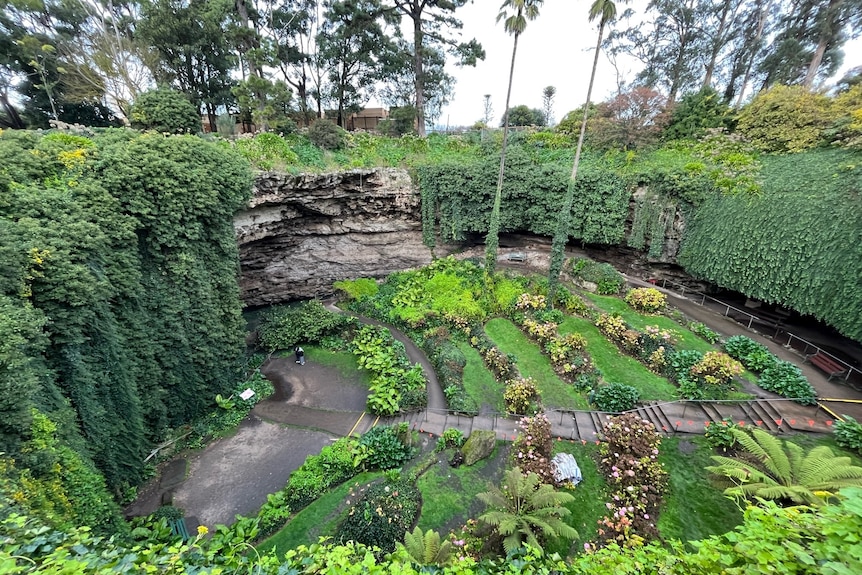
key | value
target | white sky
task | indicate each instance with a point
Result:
(556, 50)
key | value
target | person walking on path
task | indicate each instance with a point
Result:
(300, 355)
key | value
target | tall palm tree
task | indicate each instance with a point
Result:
(772, 469)
(514, 23)
(606, 10)
(524, 510)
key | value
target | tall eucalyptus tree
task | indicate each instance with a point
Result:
(605, 11)
(430, 18)
(515, 14)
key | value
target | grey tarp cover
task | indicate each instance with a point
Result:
(566, 468)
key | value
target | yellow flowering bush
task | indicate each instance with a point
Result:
(612, 326)
(520, 394)
(716, 368)
(646, 300)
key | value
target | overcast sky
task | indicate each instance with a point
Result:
(556, 50)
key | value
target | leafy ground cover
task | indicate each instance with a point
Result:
(693, 508)
(617, 367)
(479, 382)
(533, 363)
(319, 519)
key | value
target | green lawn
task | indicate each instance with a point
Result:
(319, 519)
(449, 493)
(693, 508)
(684, 337)
(617, 367)
(479, 382)
(533, 363)
(590, 495)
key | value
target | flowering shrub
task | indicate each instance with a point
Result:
(629, 459)
(499, 363)
(562, 347)
(716, 369)
(382, 515)
(543, 332)
(520, 395)
(533, 447)
(630, 341)
(568, 356)
(646, 300)
(527, 301)
(612, 326)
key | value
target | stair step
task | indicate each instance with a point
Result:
(665, 424)
(762, 418)
(775, 416)
(647, 413)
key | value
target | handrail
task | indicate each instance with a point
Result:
(495, 414)
(752, 317)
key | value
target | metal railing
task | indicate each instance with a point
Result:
(808, 349)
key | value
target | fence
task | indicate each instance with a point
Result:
(798, 343)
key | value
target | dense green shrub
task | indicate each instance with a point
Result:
(753, 355)
(719, 435)
(848, 433)
(451, 438)
(382, 448)
(333, 465)
(787, 380)
(380, 518)
(703, 331)
(283, 327)
(448, 362)
(395, 384)
(616, 397)
(607, 279)
(267, 151)
(326, 135)
(165, 110)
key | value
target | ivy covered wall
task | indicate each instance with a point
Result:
(797, 243)
(120, 303)
(457, 197)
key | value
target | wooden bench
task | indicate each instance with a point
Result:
(827, 364)
(517, 257)
(179, 529)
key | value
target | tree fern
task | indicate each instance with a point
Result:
(525, 511)
(773, 469)
(426, 548)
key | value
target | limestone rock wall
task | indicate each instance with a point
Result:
(301, 233)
